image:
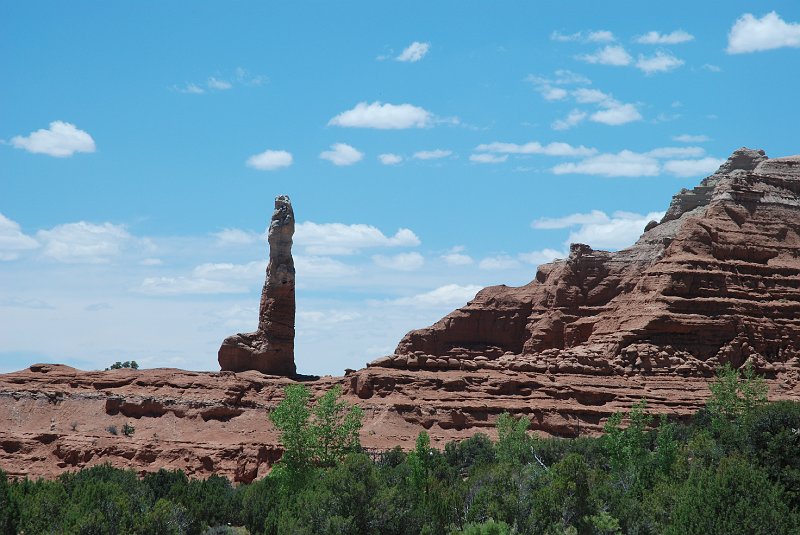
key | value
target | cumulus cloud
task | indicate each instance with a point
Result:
(84, 242)
(432, 154)
(596, 36)
(235, 236)
(499, 262)
(383, 116)
(450, 295)
(252, 271)
(616, 114)
(678, 161)
(400, 262)
(600, 230)
(660, 62)
(559, 77)
(342, 154)
(390, 159)
(219, 85)
(676, 152)
(689, 168)
(414, 52)
(456, 257)
(689, 138)
(270, 160)
(573, 118)
(750, 34)
(622, 164)
(60, 140)
(189, 89)
(538, 258)
(342, 239)
(614, 55)
(12, 240)
(554, 93)
(171, 286)
(486, 157)
(673, 38)
(321, 267)
(534, 147)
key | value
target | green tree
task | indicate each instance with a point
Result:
(513, 442)
(319, 435)
(735, 393)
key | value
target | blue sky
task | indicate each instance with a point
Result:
(429, 148)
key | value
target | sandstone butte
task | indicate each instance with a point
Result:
(716, 280)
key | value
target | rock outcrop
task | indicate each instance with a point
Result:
(270, 349)
(716, 280)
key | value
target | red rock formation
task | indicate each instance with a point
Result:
(716, 281)
(270, 349)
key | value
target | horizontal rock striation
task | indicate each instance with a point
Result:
(717, 280)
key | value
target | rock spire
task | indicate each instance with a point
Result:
(270, 349)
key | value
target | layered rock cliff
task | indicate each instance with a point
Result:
(716, 280)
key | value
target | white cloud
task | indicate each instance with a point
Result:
(171, 286)
(341, 239)
(597, 36)
(252, 271)
(84, 242)
(614, 55)
(538, 258)
(12, 240)
(553, 93)
(623, 164)
(621, 230)
(711, 68)
(573, 118)
(534, 147)
(432, 154)
(400, 262)
(496, 263)
(487, 158)
(660, 62)
(673, 38)
(617, 114)
(566, 37)
(151, 262)
(750, 34)
(269, 160)
(600, 36)
(561, 77)
(390, 159)
(321, 267)
(457, 259)
(190, 89)
(342, 154)
(383, 116)
(599, 230)
(591, 96)
(219, 85)
(689, 168)
(547, 223)
(676, 152)
(689, 138)
(451, 295)
(235, 236)
(60, 140)
(414, 52)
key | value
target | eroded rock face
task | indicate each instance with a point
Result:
(716, 280)
(270, 349)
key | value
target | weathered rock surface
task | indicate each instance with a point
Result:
(270, 349)
(716, 280)
(55, 418)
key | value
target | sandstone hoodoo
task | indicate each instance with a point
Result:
(270, 349)
(716, 280)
